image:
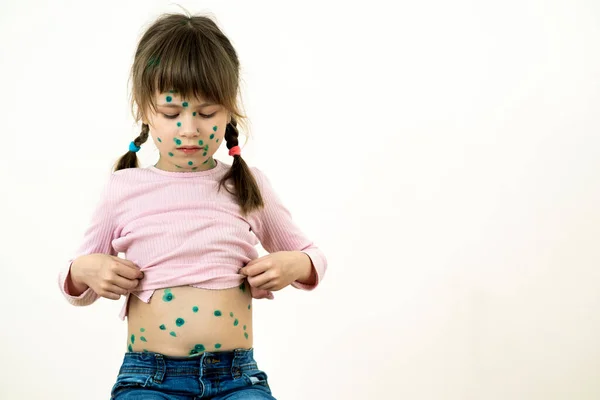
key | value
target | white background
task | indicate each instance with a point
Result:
(444, 155)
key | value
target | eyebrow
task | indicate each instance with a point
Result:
(171, 105)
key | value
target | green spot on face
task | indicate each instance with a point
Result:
(159, 140)
(179, 321)
(204, 154)
(200, 142)
(162, 327)
(132, 339)
(236, 322)
(143, 339)
(185, 104)
(246, 335)
(190, 163)
(231, 314)
(217, 141)
(130, 348)
(195, 309)
(199, 347)
(194, 114)
(177, 141)
(218, 346)
(170, 154)
(212, 135)
(206, 148)
(173, 334)
(179, 124)
(249, 306)
(244, 327)
(214, 128)
(217, 313)
(169, 98)
(142, 330)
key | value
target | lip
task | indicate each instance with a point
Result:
(189, 150)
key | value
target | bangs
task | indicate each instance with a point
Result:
(189, 64)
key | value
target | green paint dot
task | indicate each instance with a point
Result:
(143, 339)
(130, 348)
(244, 327)
(185, 104)
(159, 140)
(190, 163)
(243, 287)
(162, 327)
(194, 113)
(132, 339)
(204, 154)
(218, 346)
(236, 322)
(168, 297)
(246, 335)
(145, 350)
(193, 352)
(199, 347)
(214, 128)
(231, 314)
(206, 148)
(179, 124)
(179, 321)
(173, 334)
(200, 142)
(195, 309)
(249, 306)
(217, 141)
(177, 141)
(170, 154)
(142, 330)
(217, 313)
(212, 135)
(169, 98)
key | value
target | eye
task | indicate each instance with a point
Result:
(171, 116)
(207, 116)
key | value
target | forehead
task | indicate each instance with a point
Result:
(173, 97)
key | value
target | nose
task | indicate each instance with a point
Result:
(188, 126)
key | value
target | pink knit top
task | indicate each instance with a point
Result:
(179, 230)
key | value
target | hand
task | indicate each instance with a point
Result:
(273, 271)
(107, 275)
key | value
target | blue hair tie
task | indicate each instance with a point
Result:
(133, 147)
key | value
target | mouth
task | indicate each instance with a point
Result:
(188, 147)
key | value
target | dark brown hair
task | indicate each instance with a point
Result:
(190, 54)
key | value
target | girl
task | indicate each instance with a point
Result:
(188, 226)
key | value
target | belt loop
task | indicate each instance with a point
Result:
(160, 368)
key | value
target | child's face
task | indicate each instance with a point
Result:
(179, 123)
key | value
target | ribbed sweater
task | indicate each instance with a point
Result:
(180, 230)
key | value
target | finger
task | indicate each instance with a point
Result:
(259, 280)
(255, 269)
(127, 271)
(124, 283)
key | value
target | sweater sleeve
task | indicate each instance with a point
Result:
(277, 231)
(97, 239)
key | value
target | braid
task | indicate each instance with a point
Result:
(244, 184)
(129, 159)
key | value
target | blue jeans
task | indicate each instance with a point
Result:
(224, 375)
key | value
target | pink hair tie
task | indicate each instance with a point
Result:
(235, 151)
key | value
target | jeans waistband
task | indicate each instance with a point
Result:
(202, 364)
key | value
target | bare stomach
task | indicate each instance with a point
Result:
(186, 321)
